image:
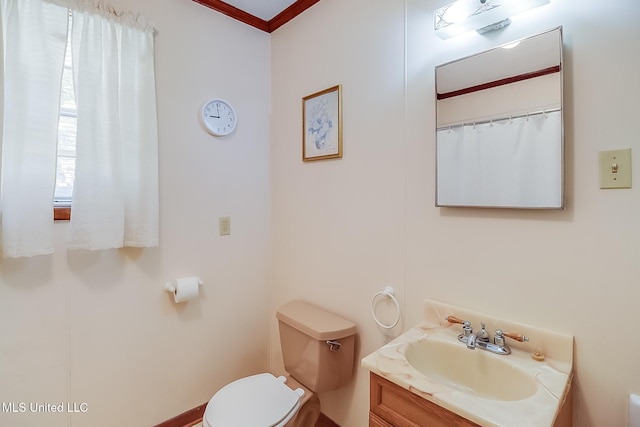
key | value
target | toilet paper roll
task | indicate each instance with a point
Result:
(187, 289)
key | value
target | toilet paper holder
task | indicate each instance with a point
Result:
(171, 286)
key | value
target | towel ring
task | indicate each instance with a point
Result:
(388, 292)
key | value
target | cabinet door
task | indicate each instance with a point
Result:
(401, 408)
(376, 421)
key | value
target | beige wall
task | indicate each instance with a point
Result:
(97, 327)
(344, 229)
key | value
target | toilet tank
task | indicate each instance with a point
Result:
(304, 331)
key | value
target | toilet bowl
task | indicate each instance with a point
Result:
(258, 400)
(266, 401)
(318, 353)
(309, 410)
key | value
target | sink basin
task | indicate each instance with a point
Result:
(476, 372)
(488, 389)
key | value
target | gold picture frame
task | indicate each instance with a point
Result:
(322, 125)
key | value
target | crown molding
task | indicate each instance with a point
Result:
(276, 22)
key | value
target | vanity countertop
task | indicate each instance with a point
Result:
(552, 375)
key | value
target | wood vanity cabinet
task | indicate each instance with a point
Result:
(393, 406)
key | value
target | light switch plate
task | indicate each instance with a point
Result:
(224, 224)
(615, 168)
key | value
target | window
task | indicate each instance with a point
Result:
(111, 121)
(67, 128)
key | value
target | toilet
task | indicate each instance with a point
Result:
(318, 354)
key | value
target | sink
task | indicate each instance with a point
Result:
(488, 389)
(476, 372)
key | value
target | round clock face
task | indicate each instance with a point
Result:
(218, 117)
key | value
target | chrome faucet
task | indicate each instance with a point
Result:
(483, 335)
(468, 337)
(482, 339)
(470, 341)
(479, 339)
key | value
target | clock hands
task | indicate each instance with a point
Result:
(218, 109)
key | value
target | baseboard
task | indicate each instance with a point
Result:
(324, 421)
(190, 417)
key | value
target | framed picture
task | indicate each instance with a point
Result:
(322, 125)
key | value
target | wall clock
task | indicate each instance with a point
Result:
(218, 117)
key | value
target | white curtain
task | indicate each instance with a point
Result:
(506, 163)
(34, 35)
(115, 199)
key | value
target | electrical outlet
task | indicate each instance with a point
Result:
(224, 223)
(615, 169)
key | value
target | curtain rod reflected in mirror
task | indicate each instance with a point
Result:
(510, 118)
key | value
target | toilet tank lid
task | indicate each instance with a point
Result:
(314, 321)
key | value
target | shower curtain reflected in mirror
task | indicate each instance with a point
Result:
(513, 162)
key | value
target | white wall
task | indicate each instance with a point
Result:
(343, 229)
(339, 225)
(96, 327)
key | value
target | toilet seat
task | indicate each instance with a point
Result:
(260, 400)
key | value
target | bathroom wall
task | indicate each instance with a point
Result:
(344, 229)
(96, 327)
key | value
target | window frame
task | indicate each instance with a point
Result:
(61, 213)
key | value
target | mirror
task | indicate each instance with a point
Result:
(499, 138)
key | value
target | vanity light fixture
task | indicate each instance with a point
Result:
(480, 15)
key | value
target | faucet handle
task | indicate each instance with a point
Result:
(454, 319)
(498, 339)
(517, 337)
(467, 330)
